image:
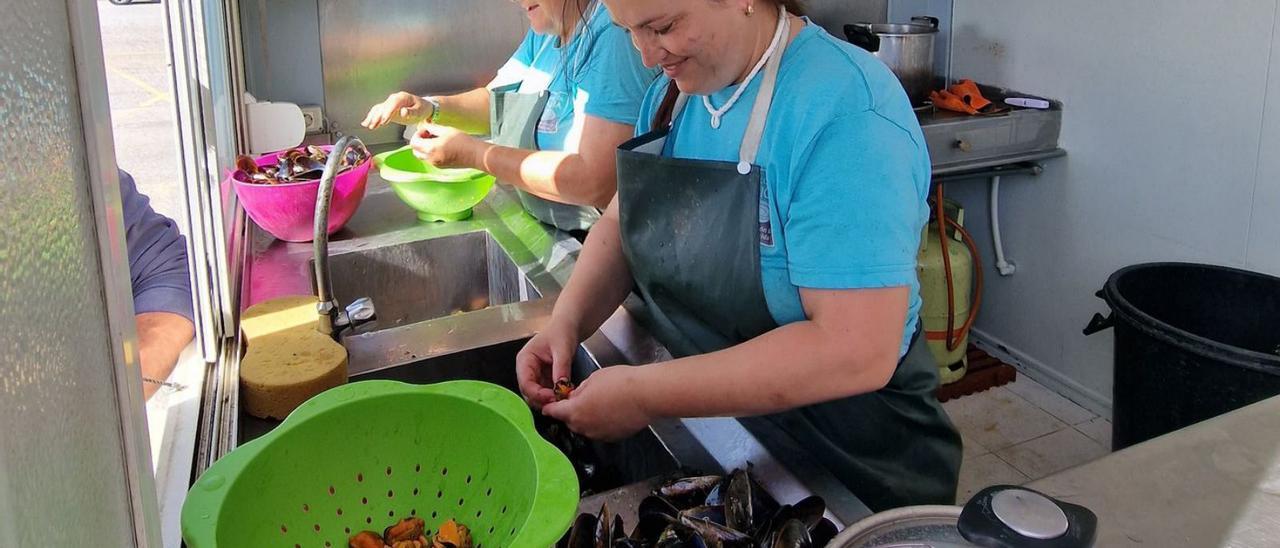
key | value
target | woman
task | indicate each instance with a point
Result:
(560, 107)
(772, 232)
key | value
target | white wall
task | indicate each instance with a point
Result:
(1172, 126)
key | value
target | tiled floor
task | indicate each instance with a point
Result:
(1022, 432)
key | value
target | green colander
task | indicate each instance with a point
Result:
(364, 455)
(437, 194)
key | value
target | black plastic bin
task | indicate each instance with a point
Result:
(1192, 342)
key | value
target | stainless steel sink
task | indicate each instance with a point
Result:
(428, 279)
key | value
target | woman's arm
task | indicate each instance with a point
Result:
(848, 345)
(467, 111)
(585, 177)
(600, 282)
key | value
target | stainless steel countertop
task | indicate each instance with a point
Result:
(1216, 483)
(546, 257)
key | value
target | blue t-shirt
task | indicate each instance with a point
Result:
(598, 73)
(845, 165)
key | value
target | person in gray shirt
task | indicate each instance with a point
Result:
(158, 272)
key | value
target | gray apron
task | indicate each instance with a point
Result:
(690, 234)
(513, 122)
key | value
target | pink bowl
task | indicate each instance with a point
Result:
(287, 211)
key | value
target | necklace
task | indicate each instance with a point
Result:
(718, 113)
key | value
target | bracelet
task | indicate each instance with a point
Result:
(435, 108)
(172, 385)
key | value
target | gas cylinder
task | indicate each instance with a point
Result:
(933, 293)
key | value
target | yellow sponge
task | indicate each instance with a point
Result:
(281, 370)
(278, 315)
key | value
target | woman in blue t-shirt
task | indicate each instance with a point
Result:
(556, 112)
(769, 215)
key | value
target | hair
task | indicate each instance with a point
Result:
(571, 69)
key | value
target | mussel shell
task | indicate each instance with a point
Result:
(655, 516)
(738, 502)
(669, 538)
(713, 514)
(604, 528)
(246, 164)
(792, 534)
(582, 534)
(714, 534)
(810, 510)
(688, 492)
(823, 532)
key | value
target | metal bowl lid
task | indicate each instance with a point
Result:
(911, 526)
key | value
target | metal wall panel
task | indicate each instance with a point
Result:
(371, 48)
(69, 462)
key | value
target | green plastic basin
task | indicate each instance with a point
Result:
(437, 194)
(364, 455)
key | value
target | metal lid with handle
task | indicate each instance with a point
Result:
(1000, 516)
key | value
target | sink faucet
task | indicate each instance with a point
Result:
(332, 318)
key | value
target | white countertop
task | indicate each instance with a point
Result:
(1216, 483)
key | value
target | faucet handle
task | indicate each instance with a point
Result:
(361, 310)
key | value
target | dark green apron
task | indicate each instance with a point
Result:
(513, 122)
(690, 234)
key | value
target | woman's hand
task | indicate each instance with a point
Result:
(546, 358)
(400, 107)
(443, 146)
(607, 406)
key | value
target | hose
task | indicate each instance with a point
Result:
(953, 338)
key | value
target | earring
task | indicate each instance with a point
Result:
(751, 8)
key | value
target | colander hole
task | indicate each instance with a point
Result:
(388, 470)
(468, 478)
(368, 520)
(513, 531)
(391, 513)
(491, 530)
(390, 493)
(415, 491)
(332, 490)
(328, 544)
(284, 529)
(364, 500)
(347, 529)
(444, 471)
(316, 527)
(339, 511)
(488, 492)
(461, 502)
(478, 512)
(297, 546)
(417, 468)
(504, 509)
(413, 511)
(434, 514)
(306, 508)
(439, 494)
(359, 478)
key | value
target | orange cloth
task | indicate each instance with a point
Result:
(962, 96)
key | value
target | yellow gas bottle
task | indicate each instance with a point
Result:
(952, 363)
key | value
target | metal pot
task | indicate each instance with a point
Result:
(1002, 516)
(907, 48)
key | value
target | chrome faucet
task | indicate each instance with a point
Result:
(333, 318)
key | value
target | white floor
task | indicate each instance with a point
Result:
(1021, 432)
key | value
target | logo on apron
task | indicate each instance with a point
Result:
(553, 114)
(766, 228)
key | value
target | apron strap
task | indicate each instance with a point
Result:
(673, 102)
(764, 99)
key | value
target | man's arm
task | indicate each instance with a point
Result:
(161, 285)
